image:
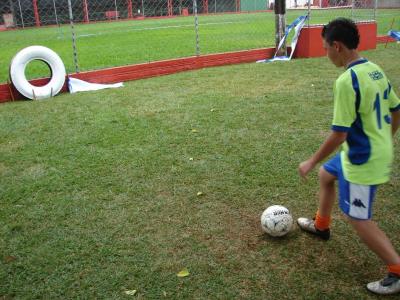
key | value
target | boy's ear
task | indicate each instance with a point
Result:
(337, 46)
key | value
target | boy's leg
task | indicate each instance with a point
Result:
(379, 243)
(327, 194)
(376, 240)
(328, 174)
(327, 197)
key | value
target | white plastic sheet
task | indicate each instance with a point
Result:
(77, 85)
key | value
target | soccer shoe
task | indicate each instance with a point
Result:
(387, 286)
(308, 226)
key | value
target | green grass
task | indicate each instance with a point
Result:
(99, 193)
(103, 45)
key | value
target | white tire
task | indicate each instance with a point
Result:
(49, 57)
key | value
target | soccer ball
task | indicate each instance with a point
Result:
(276, 220)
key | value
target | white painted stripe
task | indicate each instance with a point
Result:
(359, 200)
(184, 25)
(160, 28)
(89, 34)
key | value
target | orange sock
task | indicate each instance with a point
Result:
(322, 222)
(394, 269)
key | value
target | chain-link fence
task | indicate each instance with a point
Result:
(28, 13)
(110, 33)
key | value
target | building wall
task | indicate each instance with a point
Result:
(389, 3)
(253, 5)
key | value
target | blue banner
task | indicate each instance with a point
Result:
(297, 24)
(394, 34)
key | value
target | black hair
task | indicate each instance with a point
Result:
(342, 30)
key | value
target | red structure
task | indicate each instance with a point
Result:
(36, 12)
(310, 41)
(330, 3)
(205, 6)
(169, 7)
(85, 12)
(130, 14)
(152, 69)
(237, 5)
(185, 11)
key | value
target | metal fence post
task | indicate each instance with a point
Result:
(71, 21)
(116, 9)
(196, 27)
(280, 26)
(352, 9)
(55, 12)
(20, 12)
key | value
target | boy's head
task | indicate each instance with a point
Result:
(342, 30)
(340, 37)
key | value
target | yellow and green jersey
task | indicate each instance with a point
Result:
(363, 102)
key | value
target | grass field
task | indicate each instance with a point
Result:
(103, 45)
(99, 190)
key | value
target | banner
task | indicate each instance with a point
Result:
(297, 24)
(394, 34)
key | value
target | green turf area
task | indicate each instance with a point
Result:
(112, 44)
(99, 189)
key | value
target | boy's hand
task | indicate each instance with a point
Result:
(334, 140)
(306, 167)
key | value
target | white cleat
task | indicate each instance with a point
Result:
(387, 286)
(308, 226)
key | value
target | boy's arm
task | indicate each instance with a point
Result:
(395, 121)
(334, 140)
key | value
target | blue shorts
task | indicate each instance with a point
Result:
(355, 200)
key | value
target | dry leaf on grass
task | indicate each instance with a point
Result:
(131, 292)
(9, 259)
(183, 273)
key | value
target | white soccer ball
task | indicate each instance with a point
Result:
(276, 220)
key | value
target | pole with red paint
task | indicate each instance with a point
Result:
(85, 12)
(36, 12)
(169, 4)
(205, 6)
(130, 14)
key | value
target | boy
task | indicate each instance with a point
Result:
(366, 116)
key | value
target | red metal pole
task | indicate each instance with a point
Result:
(130, 14)
(238, 6)
(36, 12)
(169, 7)
(85, 12)
(205, 6)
